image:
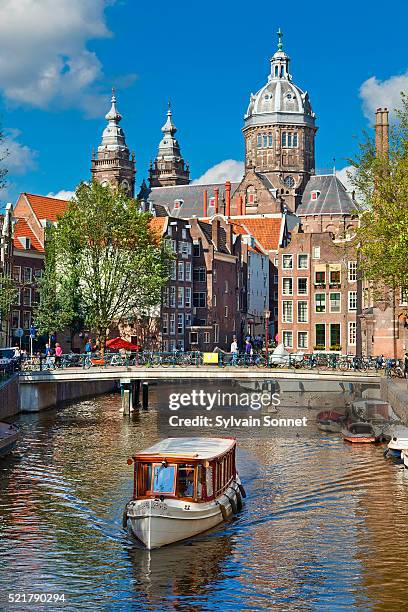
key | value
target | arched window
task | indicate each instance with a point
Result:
(276, 71)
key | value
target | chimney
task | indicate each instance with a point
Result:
(216, 193)
(227, 199)
(240, 205)
(215, 227)
(228, 236)
(385, 131)
(204, 203)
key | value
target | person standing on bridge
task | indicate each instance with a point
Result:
(58, 355)
(234, 350)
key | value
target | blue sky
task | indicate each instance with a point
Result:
(59, 59)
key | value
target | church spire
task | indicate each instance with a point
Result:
(169, 167)
(280, 61)
(113, 162)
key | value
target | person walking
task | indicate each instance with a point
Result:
(58, 355)
(234, 350)
(48, 357)
(88, 348)
(248, 351)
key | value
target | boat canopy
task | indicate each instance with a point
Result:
(192, 448)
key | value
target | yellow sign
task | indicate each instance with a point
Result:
(210, 358)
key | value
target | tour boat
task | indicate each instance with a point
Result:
(182, 487)
(9, 435)
(330, 421)
(361, 432)
(397, 443)
(372, 410)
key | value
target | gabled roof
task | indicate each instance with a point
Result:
(265, 230)
(333, 198)
(45, 207)
(22, 230)
(206, 228)
(191, 195)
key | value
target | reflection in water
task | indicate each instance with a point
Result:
(325, 524)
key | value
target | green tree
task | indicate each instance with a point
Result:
(105, 262)
(8, 295)
(382, 181)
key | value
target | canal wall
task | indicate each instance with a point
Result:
(36, 396)
(9, 404)
(396, 393)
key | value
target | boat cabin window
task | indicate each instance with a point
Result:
(185, 480)
(164, 478)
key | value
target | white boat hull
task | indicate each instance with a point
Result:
(157, 523)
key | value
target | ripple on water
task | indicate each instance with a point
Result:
(324, 525)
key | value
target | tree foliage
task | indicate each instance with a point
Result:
(104, 262)
(382, 181)
(8, 295)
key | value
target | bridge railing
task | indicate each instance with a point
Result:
(155, 359)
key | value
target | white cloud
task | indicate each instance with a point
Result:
(345, 175)
(44, 59)
(62, 194)
(227, 170)
(18, 158)
(379, 94)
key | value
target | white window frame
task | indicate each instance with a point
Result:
(172, 298)
(306, 334)
(289, 280)
(287, 318)
(330, 302)
(352, 336)
(180, 270)
(307, 285)
(287, 257)
(307, 311)
(180, 323)
(352, 271)
(180, 297)
(315, 302)
(172, 324)
(289, 334)
(316, 252)
(165, 323)
(307, 261)
(187, 299)
(352, 299)
(188, 271)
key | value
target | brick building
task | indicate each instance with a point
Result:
(319, 294)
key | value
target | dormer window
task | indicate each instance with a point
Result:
(25, 242)
(178, 203)
(212, 202)
(314, 195)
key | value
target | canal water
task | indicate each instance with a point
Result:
(324, 527)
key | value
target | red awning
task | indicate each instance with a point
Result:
(119, 343)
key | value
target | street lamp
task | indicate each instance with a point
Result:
(267, 315)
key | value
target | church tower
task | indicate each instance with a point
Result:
(169, 167)
(113, 164)
(279, 131)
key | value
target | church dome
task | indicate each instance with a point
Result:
(280, 100)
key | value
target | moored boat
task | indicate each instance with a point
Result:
(397, 443)
(361, 432)
(182, 487)
(9, 435)
(330, 421)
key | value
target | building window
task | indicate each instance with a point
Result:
(193, 338)
(17, 274)
(28, 275)
(172, 296)
(226, 287)
(173, 269)
(270, 140)
(275, 278)
(352, 300)
(199, 299)
(335, 277)
(265, 141)
(188, 319)
(352, 333)
(18, 297)
(302, 286)
(316, 252)
(302, 340)
(165, 296)
(314, 195)
(215, 300)
(172, 323)
(196, 249)
(188, 297)
(15, 319)
(320, 330)
(320, 302)
(287, 311)
(335, 302)
(180, 297)
(289, 140)
(259, 141)
(38, 274)
(165, 323)
(352, 271)
(287, 262)
(225, 311)
(199, 275)
(165, 346)
(26, 319)
(174, 245)
(287, 286)
(184, 248)
(180, 324)
(303, 262)
(216, 332)
(302, 312)
(287, 337)
(207, 337)
(26, 296)
(35, 298)
(403, 297)
(181, 270)
(188, 271)
(320, 277)
(335, 337)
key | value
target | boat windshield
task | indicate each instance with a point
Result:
(185, 480)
